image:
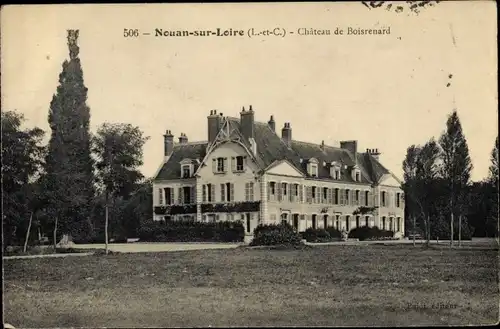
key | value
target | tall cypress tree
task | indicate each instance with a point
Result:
(69, 180)
(492, 193)
(456, 168)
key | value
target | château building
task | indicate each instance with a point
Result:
(248, 172)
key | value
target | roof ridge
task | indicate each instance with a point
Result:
(191, 143)
(319, 145)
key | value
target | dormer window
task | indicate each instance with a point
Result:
(356, 174)
(312, 167)
(186, 171)
(335, 170)
(187, 168)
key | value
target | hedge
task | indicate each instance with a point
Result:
(321, 235)
(370, 233)
(192, 231)
(275, 234)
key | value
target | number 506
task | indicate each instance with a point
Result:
(130, 33)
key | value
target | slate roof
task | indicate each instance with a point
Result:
(271, 148)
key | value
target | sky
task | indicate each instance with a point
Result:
(385, 91)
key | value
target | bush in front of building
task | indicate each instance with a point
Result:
(192, 231)
(335, 234)
(275, 234)
(370, 233)
(322, 235)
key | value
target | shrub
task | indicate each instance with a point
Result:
(335, 234)
(316, 235)
(275, 234)
(370, 233)
(191, 231)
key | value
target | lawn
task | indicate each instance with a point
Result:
(317, 286)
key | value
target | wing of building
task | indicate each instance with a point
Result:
(246, 171)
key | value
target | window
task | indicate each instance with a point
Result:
(249, 191)
(357, 221)
(336, 196)
(337, 222)
(357, 197)
(314, 221)
(313, 193)
(229, 192)
(383, 223)
(186, 191)
(347, 201)
(398, 223)
(223, 192)
(239, 163)
(314, 170)
(160, 196)
(383, 199)
(347, 220)
(367, 221)
(284, 189)
(221, 165)
(186, 171)
(325, 194)
(169, 196)
(272, 191)
(294, 194)
(209, 193)
(357, 176)
(398, 204)
(366, 197)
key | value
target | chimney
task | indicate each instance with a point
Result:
(247, 123)
(272, 123)
(374, 153)
(214, 125)
(286, 134)
(168, 143)
(183, 139)
(351, 146)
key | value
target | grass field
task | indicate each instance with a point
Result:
(329, 286)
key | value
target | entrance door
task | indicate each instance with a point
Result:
(296, 222)
(248, 222)
(325, 221)
(314, 221)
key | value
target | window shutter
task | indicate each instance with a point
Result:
(225, 164)
(231, 193)
(222, 194)
(376, 199)
(247, 192)
(160, 196)
(301, 193)
(204, 192)
(233, 163)
(212, 186)
(278, 188)
(193, 194)
(179, 200)
(291, 192)
(330, 196)
(362, 198)
(268, 191)
(319, 194)
(342, 196)
(214, 165)
(308, 194)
